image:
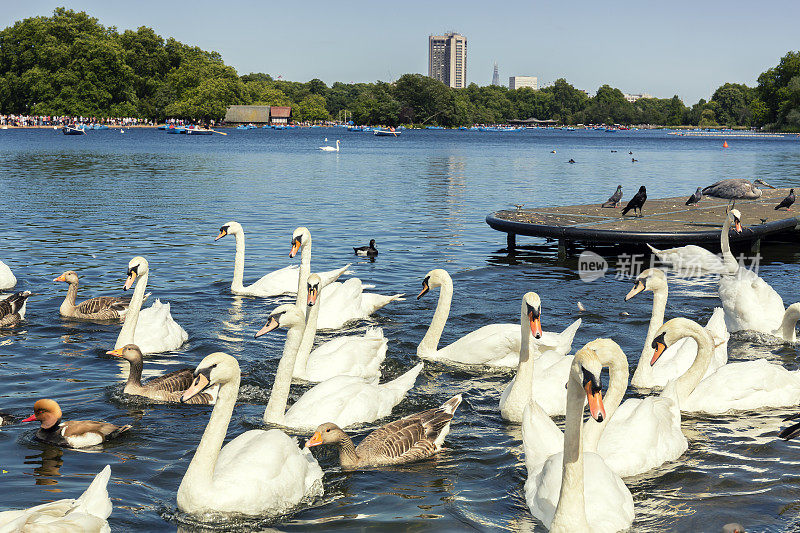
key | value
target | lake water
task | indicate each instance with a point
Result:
(91, 203)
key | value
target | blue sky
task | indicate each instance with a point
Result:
(664, 48)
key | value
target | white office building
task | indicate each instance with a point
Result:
(518, 82)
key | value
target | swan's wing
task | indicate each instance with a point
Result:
(347, 356)
(642, 434)
(156, 331)
(750, 303)
(494, 344)
(343, 400)
(560, 342)
(549, 386)
(541, 438)
(275, 283)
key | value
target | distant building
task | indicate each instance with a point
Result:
(634, 97)
(495, 75)
(518, 82)
(257, 114)
(447, 59)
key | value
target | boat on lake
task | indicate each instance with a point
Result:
(391, 132)
(198, 131)
(73, 130)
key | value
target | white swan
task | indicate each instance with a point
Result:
(152, 329)
(566, 489)
(750, 303)
(7, 278)
(735, 386)
(343, 400)
(690, 259)
(88, 513)
(351, 355)
(330, 148)
(257, 473)
(342, 302)
(680, 355)
(496, 345)
(546, 387)
(276, 283)
(633, 438)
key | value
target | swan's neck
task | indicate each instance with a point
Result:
(570, 512)
(199, 475)
(347, 453)
(238, 263)
(728, 261)
(430, 342)
(789, 322)
(69, 300)
(310, 331)
(522, 387)
(276, 406)
(617, 385)
(685, 384)
(132, 316)
(644, 371)
(305, 271)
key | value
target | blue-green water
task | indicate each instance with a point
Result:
(91, 203)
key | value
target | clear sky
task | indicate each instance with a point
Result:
(679, 47)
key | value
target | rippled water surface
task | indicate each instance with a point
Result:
(91, 203)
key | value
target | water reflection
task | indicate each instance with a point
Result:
(49, 461)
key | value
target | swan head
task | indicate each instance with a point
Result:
(129, 352)
(45, 411)
(652, 279)
(435, 278)
(137, 266)
(313, 283)
(736, 219)
(215, 368)
(70, 276)
(300, 237)
(283, 316)
(327, 433)
(229, 228)
(532, 309)
(671, 332)
(586, 369)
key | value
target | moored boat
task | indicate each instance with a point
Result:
(73, 130)
(391, 132)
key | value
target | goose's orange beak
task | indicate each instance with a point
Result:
(315, 440)
(60, 278)
(117, 352)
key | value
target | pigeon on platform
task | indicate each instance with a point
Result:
(636, 202)
(787, 202)
(696, 197)
(615, 198)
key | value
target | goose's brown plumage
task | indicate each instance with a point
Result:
(70, 433)
(99, 308)
(166, 388)
(412, 438)
(10, 308)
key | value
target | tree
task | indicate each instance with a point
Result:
(311, 108)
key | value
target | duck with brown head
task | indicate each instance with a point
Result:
(70, 433)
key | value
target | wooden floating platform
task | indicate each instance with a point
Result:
(666, 221)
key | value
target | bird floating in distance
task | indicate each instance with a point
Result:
(519, 206)
(787, 202)
(613, 201)
(634, 160)
(630, 153)
(366, 251)
(581, 308)
(696, 197)
(552, 151)
(636, 202)
(613, 151)
(571, 161)
(736, 189)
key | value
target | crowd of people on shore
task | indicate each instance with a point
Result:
(29, 121)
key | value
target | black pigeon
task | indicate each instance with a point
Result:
(368, 251)
(786, 202)
(636, 202)
(613, 151)
(696, 197)
(615, 198)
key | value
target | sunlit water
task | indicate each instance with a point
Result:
(91, 203)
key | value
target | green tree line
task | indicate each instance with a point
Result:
(70, 64)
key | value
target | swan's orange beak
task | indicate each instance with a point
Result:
(198, 385)
(638, 286)
(595, 399)
(738, 225)
(269, 326)
(60, 278)
(312, 296)
(315, 440)
(425, 289)
(117, 352)
(659, 346)
(536, 325)
(295, 247)
(129, 281)
(221, 235)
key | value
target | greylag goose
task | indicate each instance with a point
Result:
(166, 388)
(88, 513)
(70, 433)
(12, 308)
(412, 438)
(366, 251)
(98, 308)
